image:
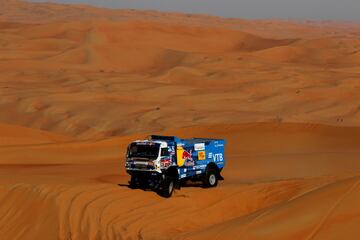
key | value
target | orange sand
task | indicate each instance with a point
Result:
(79, 83)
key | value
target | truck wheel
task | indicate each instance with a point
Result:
(133, 183)
(210, 178)
(167, 187)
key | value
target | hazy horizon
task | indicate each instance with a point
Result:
(347, 10)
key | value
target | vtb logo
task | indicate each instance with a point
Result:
(218, 157)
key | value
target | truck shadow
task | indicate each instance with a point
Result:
(147, 189)
(177, 192)
(187, 184)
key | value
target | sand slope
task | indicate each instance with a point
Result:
(293, 186)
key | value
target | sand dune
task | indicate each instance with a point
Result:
(78, 83)
(299, 217)
(235, 76)
(17, 135)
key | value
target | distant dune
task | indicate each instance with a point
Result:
(77, 83)
(206, 74)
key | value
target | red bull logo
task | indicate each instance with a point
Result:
(184, 157)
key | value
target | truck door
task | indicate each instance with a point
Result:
(165, 157)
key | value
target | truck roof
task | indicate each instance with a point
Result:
(176, 139)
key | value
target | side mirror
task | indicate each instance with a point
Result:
(127, 153)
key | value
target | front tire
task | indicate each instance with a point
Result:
(137, 182)
(210, 179)
(167, 187)
(134, 182)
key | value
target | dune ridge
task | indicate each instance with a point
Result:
(36, 12)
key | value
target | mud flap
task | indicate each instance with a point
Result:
(177, 185)
(220, 177)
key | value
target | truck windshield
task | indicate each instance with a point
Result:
(150, 151)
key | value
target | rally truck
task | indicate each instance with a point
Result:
(164, 163)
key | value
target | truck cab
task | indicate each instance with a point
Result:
(163, 162)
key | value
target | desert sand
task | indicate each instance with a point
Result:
(78, 83)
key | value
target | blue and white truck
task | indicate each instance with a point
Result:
(162, 163)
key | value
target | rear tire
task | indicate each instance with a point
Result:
(210, 178)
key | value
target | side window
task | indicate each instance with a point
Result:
(164, 152)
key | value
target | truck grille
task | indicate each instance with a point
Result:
(142, 165)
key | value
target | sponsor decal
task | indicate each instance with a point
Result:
(171, 150)
(201, 155)
(218, 157)
(165, 162)
(198, 172)
(145, 143)
(200, 167)
(199, 146)
(184, 158)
